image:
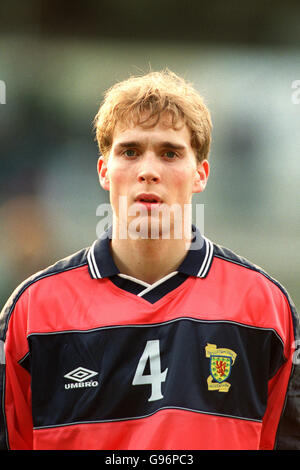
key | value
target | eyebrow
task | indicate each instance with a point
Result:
(127, 144)
(165, 144)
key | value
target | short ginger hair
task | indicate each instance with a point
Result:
(141, 100)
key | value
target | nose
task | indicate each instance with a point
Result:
(149, 170)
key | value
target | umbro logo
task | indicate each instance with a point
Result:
(80, 374)
(80, 378)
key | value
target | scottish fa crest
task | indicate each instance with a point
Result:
(221, 362)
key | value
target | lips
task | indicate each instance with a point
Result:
(148, 198)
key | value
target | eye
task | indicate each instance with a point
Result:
(170, 154)
(130, 153)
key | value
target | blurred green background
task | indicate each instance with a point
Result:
(56, 60)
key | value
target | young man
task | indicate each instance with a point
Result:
(154, 337)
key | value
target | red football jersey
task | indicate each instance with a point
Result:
(204, 359)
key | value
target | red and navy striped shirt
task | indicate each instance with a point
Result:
(205, 358)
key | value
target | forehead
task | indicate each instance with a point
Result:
(155, 134)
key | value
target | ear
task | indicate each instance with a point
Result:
(102, 172)
(202, 174)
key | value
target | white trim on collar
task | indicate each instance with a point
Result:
(203, 270)
(92, 262)
(208, 257)
(155, 284)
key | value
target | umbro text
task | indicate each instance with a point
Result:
(91, 383)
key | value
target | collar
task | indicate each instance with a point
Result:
(196, 263)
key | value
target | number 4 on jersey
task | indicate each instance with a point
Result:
(156, 377)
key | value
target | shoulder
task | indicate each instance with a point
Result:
(241, 267)
(244, 267)
(43, 279)
(69, 263)
(248, 276)
(240, 264)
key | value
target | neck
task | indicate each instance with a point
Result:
(148, 259)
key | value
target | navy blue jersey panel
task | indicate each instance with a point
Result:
(185, 363)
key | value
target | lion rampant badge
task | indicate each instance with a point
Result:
(221, 362)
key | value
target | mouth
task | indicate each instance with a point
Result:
(148, 199)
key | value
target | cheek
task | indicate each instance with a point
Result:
(183, 181)
(119, 186)
(118, 178)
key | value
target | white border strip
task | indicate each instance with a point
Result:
(149, 325)
(92, 262)
(138, 281)
(147, 416)
(207, 260)
(160, 281)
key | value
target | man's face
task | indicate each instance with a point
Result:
(149, 170)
